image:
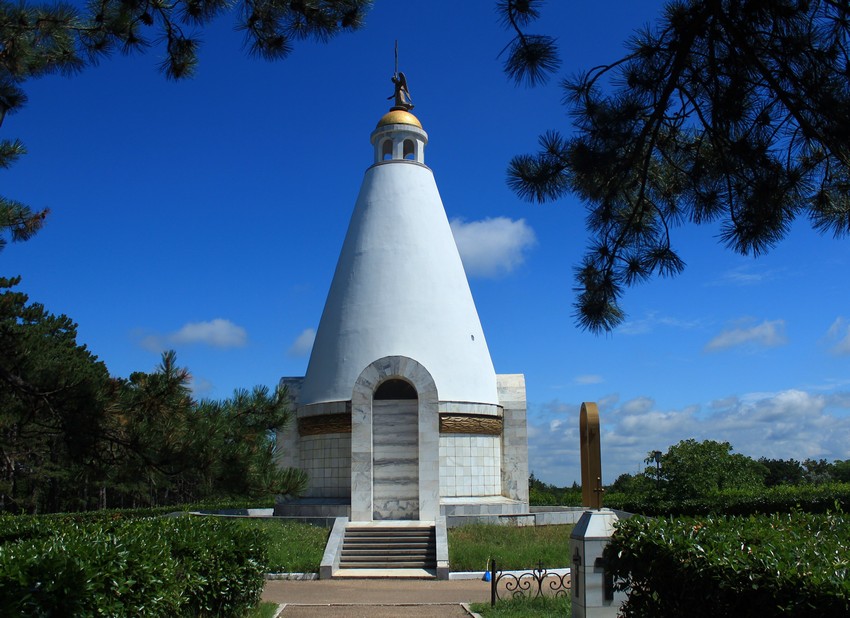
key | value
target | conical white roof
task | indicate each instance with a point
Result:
(399, 288)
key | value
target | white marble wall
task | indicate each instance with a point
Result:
(326, 459)
(470, 465)
(514, 436)
(395, 432)
(467, 407)
(287, 437)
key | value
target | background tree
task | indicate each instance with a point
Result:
(52, 396)
(841, 470)
(72, 438)
(635, 484)
(727, 112)
(782, 471)
(541, 493)
(817, 471)
(690, 469)
(240, 450)
(172, 449)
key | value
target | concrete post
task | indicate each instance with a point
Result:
(593, 593)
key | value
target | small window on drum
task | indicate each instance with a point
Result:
(395, 389)
(409, 150)
(387, 150)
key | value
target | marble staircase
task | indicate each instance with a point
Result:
(369, 548)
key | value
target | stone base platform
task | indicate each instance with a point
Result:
(449, 507)
(481, 505)
(385, 574)
(314, 507)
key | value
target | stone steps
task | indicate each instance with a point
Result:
(391, 547)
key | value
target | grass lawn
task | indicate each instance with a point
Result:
(298, 548)
(293, 547)
(541, 607)
(263, 610)
(520, 548)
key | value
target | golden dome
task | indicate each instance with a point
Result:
(399, 116)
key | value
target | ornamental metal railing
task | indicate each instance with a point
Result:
(529, 584)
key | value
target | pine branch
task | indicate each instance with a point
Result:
(531, 58)
(729, 111)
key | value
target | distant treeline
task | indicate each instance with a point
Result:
(74, 438)
(701, 477)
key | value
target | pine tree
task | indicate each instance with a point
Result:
(51, 406)
(729, 112)
(171, 449)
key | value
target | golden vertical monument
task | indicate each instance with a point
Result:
(591, 457)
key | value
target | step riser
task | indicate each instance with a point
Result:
(389, 548)
(389, 552)
(419, 555)
(377, 555)
(387, 543)
(375, 541)
(387, 565)
(385, 558)
(372, 535)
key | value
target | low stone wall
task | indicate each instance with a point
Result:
(314, 507)
(549, 516)
(320, 521)
(485, 507)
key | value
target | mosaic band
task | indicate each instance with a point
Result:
(474, 424)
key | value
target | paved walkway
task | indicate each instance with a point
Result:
(375, 598)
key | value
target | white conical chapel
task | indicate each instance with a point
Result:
(401, 414)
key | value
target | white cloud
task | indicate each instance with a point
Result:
(218, 333)
(787, 424)
(588, 379)
(303, 343)
(638, 405)
(494, 246)
(766, 334)
(839, 333)
(648, 323)
(747, 275)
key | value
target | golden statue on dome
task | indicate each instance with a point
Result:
(403, 101)
(401, 94)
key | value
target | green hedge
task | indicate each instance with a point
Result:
(185, 566)
(777, 565)
(781, 499)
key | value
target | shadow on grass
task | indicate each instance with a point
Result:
(523, 607)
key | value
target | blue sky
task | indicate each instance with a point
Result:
(207, 216)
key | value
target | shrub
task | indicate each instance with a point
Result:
(780, 499)
(783, 564)
(117, 567)
(88, 572)
(222, 563)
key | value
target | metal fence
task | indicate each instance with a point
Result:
(530, 584)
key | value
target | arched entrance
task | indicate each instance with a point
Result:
(395, 451)
(394, 442)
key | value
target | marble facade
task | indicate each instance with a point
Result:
(394, 462)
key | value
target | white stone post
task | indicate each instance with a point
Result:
(593, 594)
